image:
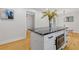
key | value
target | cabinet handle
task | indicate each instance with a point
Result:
(50, 37)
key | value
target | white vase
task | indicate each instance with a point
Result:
(50, 25)
(54, 23)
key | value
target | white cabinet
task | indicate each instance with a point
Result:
(45, 42)
(49, 42)
(36, 42)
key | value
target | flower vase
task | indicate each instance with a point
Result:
(50, 26)
(54, 23)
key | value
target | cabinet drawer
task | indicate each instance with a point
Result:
(59, 33)
(51, 41)
(49, 38)
(50, 35)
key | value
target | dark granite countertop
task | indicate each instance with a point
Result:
(45, 30)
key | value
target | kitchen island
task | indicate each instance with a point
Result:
(44, 39)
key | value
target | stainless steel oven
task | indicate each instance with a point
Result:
(59, 41)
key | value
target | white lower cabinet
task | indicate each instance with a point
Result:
(49, 42)
(45, 42)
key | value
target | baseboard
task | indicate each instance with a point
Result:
(73, 32)
(12, 40)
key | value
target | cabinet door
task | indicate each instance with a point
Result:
(49, 42)
(36, 42)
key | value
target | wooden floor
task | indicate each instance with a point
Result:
(17, 45)
(73, 43)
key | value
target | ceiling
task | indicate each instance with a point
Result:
(59, 10)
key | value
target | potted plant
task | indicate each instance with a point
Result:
(51, 16)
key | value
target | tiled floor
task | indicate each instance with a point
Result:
(73, 43)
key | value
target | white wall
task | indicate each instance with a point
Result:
(12, 30)
(72, 25)
(39, 22)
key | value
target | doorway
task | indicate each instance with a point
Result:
(30, 20)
